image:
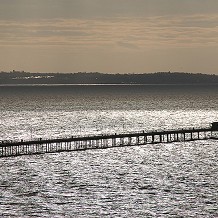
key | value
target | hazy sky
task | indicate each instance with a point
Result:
(109, 35)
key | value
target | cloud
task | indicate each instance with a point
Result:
(87, 9)
(131, 33)
(127, 45)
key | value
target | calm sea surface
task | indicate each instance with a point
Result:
(164, 180)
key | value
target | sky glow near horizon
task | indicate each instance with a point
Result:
(116, 36)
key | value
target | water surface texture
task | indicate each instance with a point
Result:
(161, 180)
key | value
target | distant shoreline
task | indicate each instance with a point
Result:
(161, 78)
(184, 84)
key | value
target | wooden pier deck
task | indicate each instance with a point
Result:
(41, 146)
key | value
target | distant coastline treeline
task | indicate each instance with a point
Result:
(21, 77)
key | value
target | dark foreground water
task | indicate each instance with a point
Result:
(164, 180)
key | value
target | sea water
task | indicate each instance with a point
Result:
(161, 180)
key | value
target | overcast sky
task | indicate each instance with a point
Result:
(118, 36)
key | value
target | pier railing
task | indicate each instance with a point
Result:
(102, 141)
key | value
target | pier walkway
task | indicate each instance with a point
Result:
(41, 146)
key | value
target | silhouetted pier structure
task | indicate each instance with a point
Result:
(105, 141)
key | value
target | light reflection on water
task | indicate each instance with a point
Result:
(151, 180)
(163, 180)
(27, 125)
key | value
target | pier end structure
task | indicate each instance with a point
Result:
(214, 126)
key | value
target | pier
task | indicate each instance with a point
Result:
(80, 143)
